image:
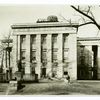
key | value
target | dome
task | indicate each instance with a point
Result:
(52, 18)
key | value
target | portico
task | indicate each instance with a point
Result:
(52, 44)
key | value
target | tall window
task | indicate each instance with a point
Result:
(33, 55)
(54, 55)
(44, 49)
(22, 54)
(65, 48)
(23, 51)
(43, 38)
(44, 58)
(54, 40)
(23, 41)
(43, 41)
(33, 41)
(65, 40)
(23, 46)
(54, 47)
(33, 47)
(44, 55)
(65, 53)
(65, 56)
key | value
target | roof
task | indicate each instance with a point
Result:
(43, 25)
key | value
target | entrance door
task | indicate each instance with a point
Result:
(43, 72)
(43, 69)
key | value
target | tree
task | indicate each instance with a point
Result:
(88, 14)
(5, 50)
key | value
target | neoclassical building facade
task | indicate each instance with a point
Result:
(51, 46)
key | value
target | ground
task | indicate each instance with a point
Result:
(55, 87)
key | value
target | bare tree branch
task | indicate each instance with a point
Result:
(69, 20)
(86, 15)
(89, 7)
(85, 24)
(97, 32)
(92, 14)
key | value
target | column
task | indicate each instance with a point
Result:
(38, 55)
(49, 54)
(14, 54)
(59, 55)
(27, 58)
(18, 47)
(98, 62)
(72, 68)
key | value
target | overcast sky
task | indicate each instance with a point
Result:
(10, 14)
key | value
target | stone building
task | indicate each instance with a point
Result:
(52, 46)
(88, 58)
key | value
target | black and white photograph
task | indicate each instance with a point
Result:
(49, 49)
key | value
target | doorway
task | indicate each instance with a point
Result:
(43, 73)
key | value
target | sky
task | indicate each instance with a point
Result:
(10, 14)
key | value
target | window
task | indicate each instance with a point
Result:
(65, 48)
(43, 41)
(54, 47)
(33, 47)
(43, 38)
(65, 40)
(33, 39)
(23, 61)
(54, 56)
(65, 56)
(22, 55)
(23, 52)
(54, 38)
(43, 48)
(23, 41)
(44, 56)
